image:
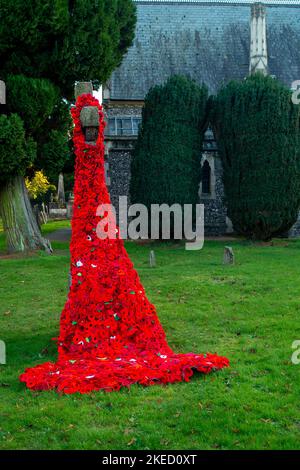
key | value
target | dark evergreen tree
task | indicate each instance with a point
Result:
(16, 153)
(45, 46)
(64, 40)
(166, 162)
(257, 129)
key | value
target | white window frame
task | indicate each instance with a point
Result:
(117, 129)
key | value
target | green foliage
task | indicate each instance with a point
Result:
(60, 120)
(99, 33)
(33, 99)
(64, 40)
(166, 163)
(54, 154)
(46, 118)
(47, 45)
(257, 129)
(16, 153)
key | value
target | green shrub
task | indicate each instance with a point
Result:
(33, 99)
(166, 162)
(16, 153)
(257, 129)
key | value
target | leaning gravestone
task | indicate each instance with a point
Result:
(228, 255)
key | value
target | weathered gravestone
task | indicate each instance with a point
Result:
(2, 353)
(70, 206)
(2, 92)
(61, 190)
(152, 259)
(58, 208)
(228, 255)
(41, 215)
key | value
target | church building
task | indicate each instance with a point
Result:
(211, 42)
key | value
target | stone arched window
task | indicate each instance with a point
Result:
(206, 178)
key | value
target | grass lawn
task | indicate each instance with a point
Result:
(54, 225)
(248, 312)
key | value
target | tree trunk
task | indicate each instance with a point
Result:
(20, 226)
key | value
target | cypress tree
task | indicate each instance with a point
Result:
(166, 161)
(257, 129)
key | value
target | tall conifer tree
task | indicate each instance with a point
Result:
(166, 164)
(257, 128)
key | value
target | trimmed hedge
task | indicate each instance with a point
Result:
(166, 161)
(257, 129)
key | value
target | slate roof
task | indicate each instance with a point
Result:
(206, 40)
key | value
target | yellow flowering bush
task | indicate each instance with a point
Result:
(38, 185)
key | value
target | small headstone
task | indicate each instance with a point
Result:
(107, 177)
(228, 255)
(2, 92)
(44, 214)
(152, 259)
(2, 353)
(70, 206)
(57, 213)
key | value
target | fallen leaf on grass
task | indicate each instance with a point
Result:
(133, 441)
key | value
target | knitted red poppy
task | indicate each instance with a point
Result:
(110, 335)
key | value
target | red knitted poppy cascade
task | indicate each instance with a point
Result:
(110, 335)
